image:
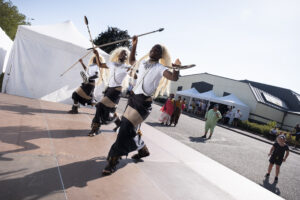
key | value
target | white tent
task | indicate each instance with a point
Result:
(188, 93)
(5, 46)
(232, 100)
(39, 55)
(209, 95)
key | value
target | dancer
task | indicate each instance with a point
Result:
(85, 93)
(279, 153)
(167, 111)
(106, 109)
(149, 82)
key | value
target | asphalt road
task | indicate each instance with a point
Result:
(244, 155)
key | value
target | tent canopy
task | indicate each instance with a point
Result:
(230, 100)
(189, 93)
(5, 46)
(39, 55)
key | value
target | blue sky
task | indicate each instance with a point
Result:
(257, 40)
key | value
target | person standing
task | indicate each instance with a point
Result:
(152, 79)
(237, 117)
(179, 105)
(297, 134)
(279, 153)
(167, 111)
(228, 116)
(211, 119)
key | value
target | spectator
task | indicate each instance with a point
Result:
(203, 108)
(167, 111)
(273, 133)
(237, 117)
(279, 153)
(211, 119)
(297, 134)
(177, 111)
(228, 116)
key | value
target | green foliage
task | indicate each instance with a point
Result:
(262, 129)
(10, 18)
(272, 124)
(110, 35)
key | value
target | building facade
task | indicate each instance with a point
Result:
(266, 103)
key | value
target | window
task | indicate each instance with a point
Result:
(179, 88)
(202, 86)
(226, 94)
(274, 100)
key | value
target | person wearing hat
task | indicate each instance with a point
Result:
(279, 153)
(211, 119)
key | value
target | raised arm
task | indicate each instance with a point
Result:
(133, 50)
(83, 65)
(100, 65)
(173, 76)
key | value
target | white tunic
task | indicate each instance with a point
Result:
(93, 70)
(148, 79)
(117, 73)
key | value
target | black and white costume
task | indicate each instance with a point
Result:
(106, 108)
(137, 110)
(85, 93)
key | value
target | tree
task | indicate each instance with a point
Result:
(110, 35)
(10, 18)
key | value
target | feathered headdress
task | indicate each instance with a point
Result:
(104, 73)
(114, 57)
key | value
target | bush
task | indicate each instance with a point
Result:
(262, 129)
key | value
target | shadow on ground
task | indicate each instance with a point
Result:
(42, 183)
(26, 110)
(271, 186)
(20, 135)
(198, 139)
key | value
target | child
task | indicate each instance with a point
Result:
(277, 152)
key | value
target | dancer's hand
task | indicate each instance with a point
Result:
(95, 52)
(177, 63)
(134, 40)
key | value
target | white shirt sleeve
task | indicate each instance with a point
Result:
(162, 69)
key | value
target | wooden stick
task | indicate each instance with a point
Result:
(87, 25)
(123, 40)
(107, 44)
(76, 63)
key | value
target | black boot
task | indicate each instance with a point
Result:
(118, 124)
(143, 152)
(74, 110)
(95, 129)
(111, 166)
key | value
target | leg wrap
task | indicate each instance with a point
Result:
(74, 109)
(143, 152)
(95, 129)
(111, 165)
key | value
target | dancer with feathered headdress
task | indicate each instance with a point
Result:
(153, 78)
(85, 93)
(118, 66)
